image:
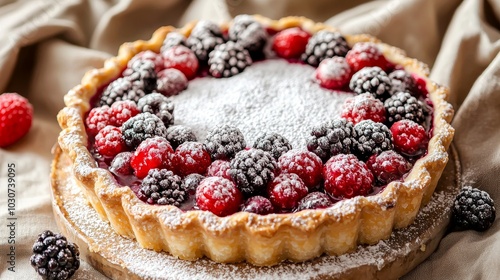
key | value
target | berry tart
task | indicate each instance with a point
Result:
(257, 140)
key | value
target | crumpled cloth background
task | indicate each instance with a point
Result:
(46, 46)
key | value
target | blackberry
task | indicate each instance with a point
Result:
(324, 44)
(142, 127)
(228, 59)
(273, 143)
(54, 257)
(473, 209)
(123, 89)
(331, 138)
(159, 105)
(173, 39)
(203, 39)
(402, 81)
(404, 106)
(248, 32)
(191, 182)
(252, 170)
(162, 186)
(224, 141)
(372, 138)
(178, 134)
(142, 70)
(373, 80)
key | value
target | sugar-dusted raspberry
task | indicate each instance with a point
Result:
(252, 170)
(97, 119)
(286, 190)
(346, 176)
(122, 111)
(333, 73)
(156, 58)
(120, 165)
(171, 82)
(371, 138)
(420, 85)
(388, 166)
(182, 59)
(366, 54)
(258, 205)
(142, 127)
(305, 164)
(314, 200)
(163, 187)
(109, 141)
(191, 157)
(403, 81)
(152, 153)
(373, 80)
(409, 137)
(273, 143)
(191, 182)
(219, 168)
(324, 44)
(332, 137)
(291, 42)
(158, 105)
(363, 107)
(16, 116)
(219, 196)
(178, 134)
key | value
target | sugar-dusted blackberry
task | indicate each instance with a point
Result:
(371, 138)
(54, 257)
(141, 127)
(404, 106)
(324, 44)
(123, 89)
(373, 80)
(331, 138)
(402, 81)
(163, 187)
(159, 105)
(142, 70)
(191, 182)
(224, 141)
(173, 39)
(203, 39)
(248, 32)
(273, 143)
(473, 209)
(314, 200)
(252, 170)
(228, 59)
(178, 134)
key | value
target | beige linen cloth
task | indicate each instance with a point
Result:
(46, 46)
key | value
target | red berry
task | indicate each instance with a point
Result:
(219, 168)
(121, 164)
(305, 164)
(333, 73)
(409, 137)
(286, 190)
(366, 54)
(16, 116)
(258, 205)
(182, 59)
(363, 107)
(291, 42)
(152, 153)
(388, 166)
(191, 157)
(219, 196)
(149, 55)
(420, 84)
(98, 118)
(171, 82)
(346, 176)
(122, 111)
(109, 141)
(314, 200)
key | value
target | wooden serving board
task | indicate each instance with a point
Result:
(121, 258)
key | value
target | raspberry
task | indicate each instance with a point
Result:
(123, 89)
(420, 85)
(291, 42)
(178, 134)
(305, 164)
(286, 190)
(363, 107)
(402, 81)
(409, 137)
(228, 59)
(473, 209)
(142, 127)
(273, 143)
(333, 73)
(152, 153)
(388, 166)
(120, 165)
(171, 40)
(158, 105)
(203, 39)
(331, 138)
(252, 170)
(16, 116)
(258, 205)
(171, 82)
(182, 59)
(219, 168)
(191, 182)
(372, 138)
(224, 141)
(97, 119)
(314, 200)
(219, 196)
(122, 111)
(346, 176)
(366, 54)
(142, 70)
(163, 187)
(324, 44)
(248, 32)
(157, 59)
(191, 157)
(404, 106)
(109, 141)
(373, 80)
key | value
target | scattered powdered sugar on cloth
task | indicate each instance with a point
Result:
(270, 96)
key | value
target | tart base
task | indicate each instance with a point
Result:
(120, 258)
